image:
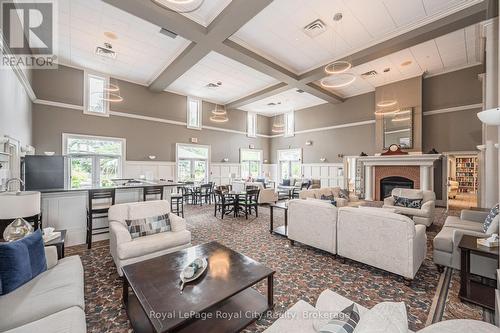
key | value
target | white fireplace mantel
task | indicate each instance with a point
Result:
(424, 161)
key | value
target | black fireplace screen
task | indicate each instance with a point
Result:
(389, 183)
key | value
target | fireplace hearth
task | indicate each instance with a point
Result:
(389, 183)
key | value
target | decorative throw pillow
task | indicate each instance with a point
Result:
(385, 317)
(491, 216)
(286, 182)
(408, 203)
(298, 183)
(344, 194)
(343, 322)
(330, 198)
(21, 261)
(148, 226)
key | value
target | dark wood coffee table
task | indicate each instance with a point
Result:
(156, 303)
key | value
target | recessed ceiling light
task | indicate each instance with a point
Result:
(406, 63)
(110, 35)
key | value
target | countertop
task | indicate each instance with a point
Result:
(119, 186)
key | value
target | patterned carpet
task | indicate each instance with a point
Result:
(301, 272)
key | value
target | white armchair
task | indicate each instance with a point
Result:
(424, 215)
(126, 250)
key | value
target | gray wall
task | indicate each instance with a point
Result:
(66, 86)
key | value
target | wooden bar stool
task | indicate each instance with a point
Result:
(152, 190)
(177, 204)
(99, 203)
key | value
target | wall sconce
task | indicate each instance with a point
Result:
(323, 159)
(152, 157)
(225, 159)
(309, 143)
(340, 155)
(265, 161)
(193, 140)
(490, 117)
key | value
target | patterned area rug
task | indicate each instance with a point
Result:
(301, 272)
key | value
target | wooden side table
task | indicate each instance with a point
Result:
(480, 291)
(283, 230)
(58, 243)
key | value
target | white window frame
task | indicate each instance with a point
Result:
(289, 124)
(289, 161)
(209, 157)
(261, 152)
(251, 125)
(199, 111)
(96, 174)
(86, 92)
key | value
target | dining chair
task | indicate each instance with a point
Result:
(250, 201)
(222, 202)
(152, 190)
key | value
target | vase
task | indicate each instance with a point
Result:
(18, 229)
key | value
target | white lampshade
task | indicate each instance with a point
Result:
(24, 204)
(490, 117)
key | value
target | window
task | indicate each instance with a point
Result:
(289, 124)
(93, 161)
(251, 125)
(251, 163)
(95, 95)
(290, 163)
(192, 163)
(194, 113)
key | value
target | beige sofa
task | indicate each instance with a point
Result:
(326, 191)
(52, 302)
(314, 223)
(446, 251)
(382, 239)
(424, 215)
(266, 195)
(126, 250)
(300, 318)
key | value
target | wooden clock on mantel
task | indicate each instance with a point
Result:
(394, 150)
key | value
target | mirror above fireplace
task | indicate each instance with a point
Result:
(398, 129)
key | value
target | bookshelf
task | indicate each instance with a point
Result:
(466, 174)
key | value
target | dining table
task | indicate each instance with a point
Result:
(236, 195)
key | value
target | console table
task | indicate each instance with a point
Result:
(473, 289)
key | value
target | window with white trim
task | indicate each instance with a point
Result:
(251, 125)
(289, 124)
(194, 115)
(96, 94)
(251, 163)
(290, 163)
(93, 160)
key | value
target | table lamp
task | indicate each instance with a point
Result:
(15, 206)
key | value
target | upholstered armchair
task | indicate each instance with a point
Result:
(125, 250)
(423, 215)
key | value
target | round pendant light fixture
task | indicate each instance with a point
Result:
(278, 124)
(112, 88)
(399, 118)
(219, 114)
(219, 111)
(113, 98)
(338, 80)
(219, 118)
(387, 103)
(338, 67)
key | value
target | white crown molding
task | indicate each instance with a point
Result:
(454, 109)
(19, 72)
(58, 104)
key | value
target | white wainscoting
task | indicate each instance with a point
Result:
(220, 173)
(150, 170)
(330, 174)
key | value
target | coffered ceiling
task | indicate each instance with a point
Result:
(142, 52)
(277, 32)
(236, 80)
(451, 51)
(283, 102)
(258, 49)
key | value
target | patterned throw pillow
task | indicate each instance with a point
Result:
(491, 216)
(408, 203)
(148, 226)
(344, 194)
(344, 322)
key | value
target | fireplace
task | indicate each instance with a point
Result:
(387, 184)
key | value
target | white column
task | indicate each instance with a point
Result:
(369, 183)
(425, 177)
(490, 133)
